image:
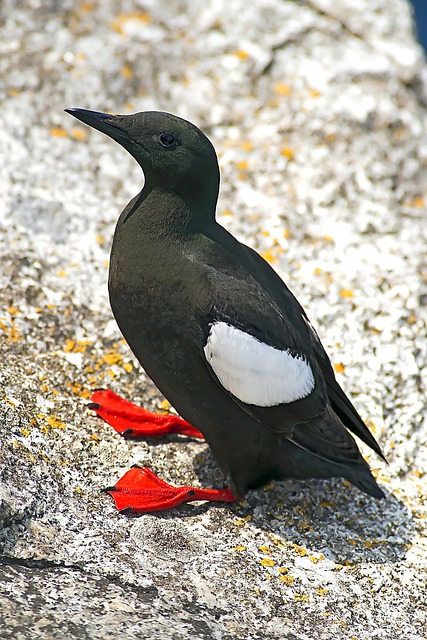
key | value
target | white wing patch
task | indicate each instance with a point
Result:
(254, 372)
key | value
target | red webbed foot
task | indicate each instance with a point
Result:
(142, 491)
(133, 421)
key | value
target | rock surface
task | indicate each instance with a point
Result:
(317, 110)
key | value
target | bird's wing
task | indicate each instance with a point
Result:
(327, 438)
(270, 314)
(254, 357)
(256, 351)
(338, 399)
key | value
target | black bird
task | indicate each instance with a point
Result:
(217, 331)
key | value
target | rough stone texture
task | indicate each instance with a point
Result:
(317, 110)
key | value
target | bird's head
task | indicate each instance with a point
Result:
(173, 153)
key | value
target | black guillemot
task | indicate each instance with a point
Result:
(217, 331)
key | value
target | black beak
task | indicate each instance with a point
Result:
(104, 122)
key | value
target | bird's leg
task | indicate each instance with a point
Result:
(132, 421)
(141, 491)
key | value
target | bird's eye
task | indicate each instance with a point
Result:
(167, 139)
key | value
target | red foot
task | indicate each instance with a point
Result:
(141, 491)
(133, 421)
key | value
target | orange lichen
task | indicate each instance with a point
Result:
(126, 72)
(55, 423)
(119, 22)
(112, 357)
(58, 132)
(241, 54)
(416, 203)
(79, 389)
(269, 256)
(287, 153)
(339, 367)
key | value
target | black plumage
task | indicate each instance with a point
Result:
(175, 273)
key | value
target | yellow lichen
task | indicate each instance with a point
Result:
(346, 293)
(264, 549)
(301, 597)
(300, 550)
(78, 134)
(282, 89)
(276, 540)
(267, 562)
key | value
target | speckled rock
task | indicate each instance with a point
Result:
(317, 110)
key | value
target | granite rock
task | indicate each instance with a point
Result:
(318, 112)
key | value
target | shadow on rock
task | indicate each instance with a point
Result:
(326, 517)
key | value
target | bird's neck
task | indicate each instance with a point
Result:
(155, 211)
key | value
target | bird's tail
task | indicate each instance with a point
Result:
(323, 448)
